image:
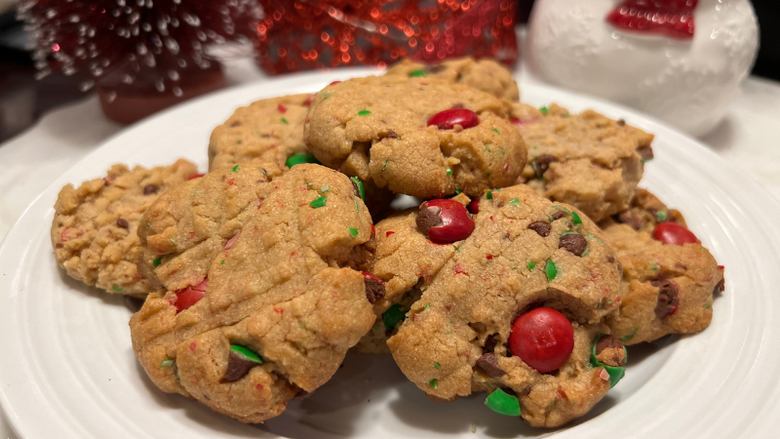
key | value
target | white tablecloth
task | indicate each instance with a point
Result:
(749, 137)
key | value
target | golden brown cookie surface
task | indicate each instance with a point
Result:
(278, 309)
(94, 228)
(381, 130)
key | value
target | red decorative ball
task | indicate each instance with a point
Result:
(543, 338)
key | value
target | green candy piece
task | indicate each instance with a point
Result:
(543, 110)
(319, 202)
(236, 168)
(661, 216)
(550, 270)
(417, 74)
(503, 403)
(363, 113)
(246, 353)
(297, 159)
(433, 384)
(157, 261)
(284, 121)
(352, 232)
(575, 219)
(531, 265)
(615, 373)
(393, 316)
(117, 288)
(359, 184)
(166, 363)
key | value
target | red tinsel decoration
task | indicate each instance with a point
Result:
(131, 41)
(307, 34)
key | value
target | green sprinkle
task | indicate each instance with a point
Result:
(359, 184)
(427, 307)
(353, 232)
(576, 219)
(303, 324)
(654, 267)
(458, 191)
(223, 262)
(363, 113)
(417, 74)
(487, 147)
(157, 261)
(436, 365)
(236, 168)
(661, 216)
(496, 130)
(238, 141)
(562, 208)
(585, 253)
(326, 95)
(247, 353)
(393, 316)
(550, 270)
(707, 305)
(166, 363)
(117, 288)
(490, 193)
(515, 202)
(384, 166)
(325, 188)
(544, 110)
(433, 383)
(503, 151)
(284, 121)
(148, 224)
(297, 159)
(319, 202)
(263, 171)
(531, 265)
(357, 209)
(503, 403)
(449, 171)
(629, 336)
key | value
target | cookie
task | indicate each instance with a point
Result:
(523, 253)
(587, 160)
(94, 228)
(670, 283)
(484, 74)
(424, 137)
(269, 129)
(278, 308)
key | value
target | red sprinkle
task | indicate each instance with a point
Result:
(194, 176)
(309, 100)
(232, 240)
(387, 235)
(232, 182)
(335, 82)
(192, 346)
(259, 387)
(192, 235)
(282, 108)
(489, 257)
(459, 269)
(279, 310)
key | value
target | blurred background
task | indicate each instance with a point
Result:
(23, 98)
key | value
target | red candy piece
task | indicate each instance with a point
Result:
(189, 296)
(670, 18)
(473, 207)
(445, 221)
(447, 119)
(543, 338)
(672, 233)
(194, 176)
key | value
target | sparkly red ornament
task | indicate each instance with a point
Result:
(150, 53)
(309, 34)
(670, 18)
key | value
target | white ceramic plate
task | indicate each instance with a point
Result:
(67, 369)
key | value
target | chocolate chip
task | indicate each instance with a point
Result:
(558, 215)
(621, 122)
(436, 68)
(134, 304)
(540, 227)
(628, 218)
(610, 259)
(121, 222)
(428, 217)
(490, 344)
(609, 350)
(646, 152)
(542, 164)
(719, 287)
(489, 364)
(59, 245)
(235, 124)
(668, 297)
(151, 189)
(355, 188)
(574, 243)
(238, 367)
(375, 288)
(391, 134)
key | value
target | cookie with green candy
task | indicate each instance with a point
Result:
(424, 137)
(671, 278)
(93, 232)
(484, 74)
(279, 307)
(528, 266)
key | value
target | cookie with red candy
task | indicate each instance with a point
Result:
(280, 301)
(93, 232)
(671, 277)
(512, 309)
(419, 136)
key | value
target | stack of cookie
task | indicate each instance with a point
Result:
(531, 259)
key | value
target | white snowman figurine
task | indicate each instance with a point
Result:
(681, 61)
